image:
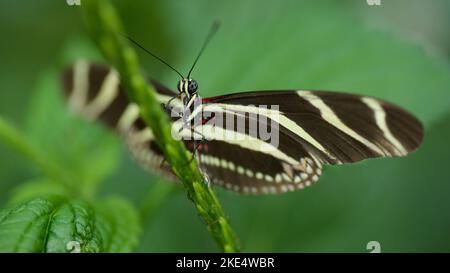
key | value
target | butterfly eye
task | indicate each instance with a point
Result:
(192, 86)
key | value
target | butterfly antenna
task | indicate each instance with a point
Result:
(211, 33)
(154, 56)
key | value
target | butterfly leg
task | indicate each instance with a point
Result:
(196, 144)
(162, 162)
(196, 147)
(172, 111)
(167, 105)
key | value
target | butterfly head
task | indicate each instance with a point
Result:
(188, 87)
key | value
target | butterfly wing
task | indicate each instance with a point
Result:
(336, 127)
(252, 166)
(312, 127)
(94, 92)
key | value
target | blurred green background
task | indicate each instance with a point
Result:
(398, 51)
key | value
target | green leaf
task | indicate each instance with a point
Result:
(119, 225)
(56, 224)
(73, 221)
(35, 188)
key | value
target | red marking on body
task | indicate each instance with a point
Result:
(207, 100)
(203, 147)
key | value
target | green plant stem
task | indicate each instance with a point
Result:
(106, 30)
(18, 142)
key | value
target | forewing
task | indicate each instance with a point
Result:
(312, 127)
(336, 127)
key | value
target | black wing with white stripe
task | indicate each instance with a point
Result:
(313, 128)
(338, 127)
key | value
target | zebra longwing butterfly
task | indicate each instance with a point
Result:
(311, 128)
(314, 128)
